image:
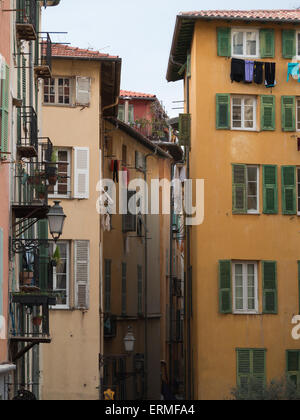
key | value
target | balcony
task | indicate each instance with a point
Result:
(26, 21)
(43, 65)
(29, 307)
(27, 145)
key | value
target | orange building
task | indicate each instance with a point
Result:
(243, 269)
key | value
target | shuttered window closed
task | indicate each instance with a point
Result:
(81, 172)
(82, 273)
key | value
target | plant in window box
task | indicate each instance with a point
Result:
(51, 169)
(26, 277)
(37, 178)
(41, 191)
(37, 320)
(56, 258)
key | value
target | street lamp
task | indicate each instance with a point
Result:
(56, 219)
(129, 341)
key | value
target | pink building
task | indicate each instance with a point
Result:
(4, 172)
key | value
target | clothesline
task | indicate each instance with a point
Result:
(253, 71)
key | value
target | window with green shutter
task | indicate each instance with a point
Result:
(251, 369)
(239, 189)
(293, 366)
(185, 130)
(4, 113)
(299, 285)
(225, 287)
(224, 42)
(267, 103)
(267, 43)
(288, 113)
(288, 43)
(223, 111)
(270, 189)
(288, 183)
(270, 298)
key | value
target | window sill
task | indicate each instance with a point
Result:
(61, 105)
(247, 313)
(244, 57)
(253, 130)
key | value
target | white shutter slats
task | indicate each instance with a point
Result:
(83, 91)
(82, 273)
(81, 172)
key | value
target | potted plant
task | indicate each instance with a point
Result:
(41, 190)
(56, 259)
(51, 169)
(37, 320)
(26, 277)
(36, 178)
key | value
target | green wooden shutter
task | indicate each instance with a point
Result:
(288, 113)
(24, 77)
(267, 43)
(243, 369)
(270, 298)
(267, 103)
(259, 368)
(288, 183)
(288, 43)
(270, 190)
(121, 112)
(5, 111)
(239, 197)
(124, 288)
(223, 111)
(225, 289)
(43, 257)
(185, 130)
(224, 42)
(293, 366)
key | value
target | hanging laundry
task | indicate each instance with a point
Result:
(258, 72)
(237, 70)
(270, 71)
(249, 71)
(294, 71)
(114, 167)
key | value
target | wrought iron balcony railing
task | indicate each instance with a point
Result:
(43, 64)
(27, 145)
(26, 21)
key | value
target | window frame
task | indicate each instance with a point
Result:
(243, 97)
(68, 277)
(72, 94)
(298, 189)
(245, 288)
(69, 162)
(298, 102)
(298, 46)
(244, 31)
(258, 188)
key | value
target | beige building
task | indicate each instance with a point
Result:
(84, 87)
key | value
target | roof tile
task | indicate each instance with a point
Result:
(62, 50)
(130, 94)
(272, 15)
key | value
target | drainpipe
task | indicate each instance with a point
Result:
(171, 283)
(189, 269)
(146, 288)
(110, 106)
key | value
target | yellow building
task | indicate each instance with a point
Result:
(244, 257)
(84, 87)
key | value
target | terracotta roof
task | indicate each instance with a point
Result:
(265, 15)
(62, 50)
(130, 94)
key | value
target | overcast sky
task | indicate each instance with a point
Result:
(138, 31)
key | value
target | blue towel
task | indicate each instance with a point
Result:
(293, 69)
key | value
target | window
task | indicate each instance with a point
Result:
(124, 155)
(293, 367)
(298, 191)
(107, 304)
(243, 113)
(129, 221)
(245, 287)
(61, 275)
(124, 287)
(62, 188)
(122, 113)
(58, 91)
(140, 289)
(245, 189)
(298, 44)
(298, 113)
(251, 370)
(245, 43)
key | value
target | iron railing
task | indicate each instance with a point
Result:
(28, 137)
(43, 62)
(27, 13)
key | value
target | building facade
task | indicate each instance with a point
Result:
(84, 87)
(243, 270)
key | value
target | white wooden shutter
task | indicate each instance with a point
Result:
(82, 274)
(83, 91)
(81, 172)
